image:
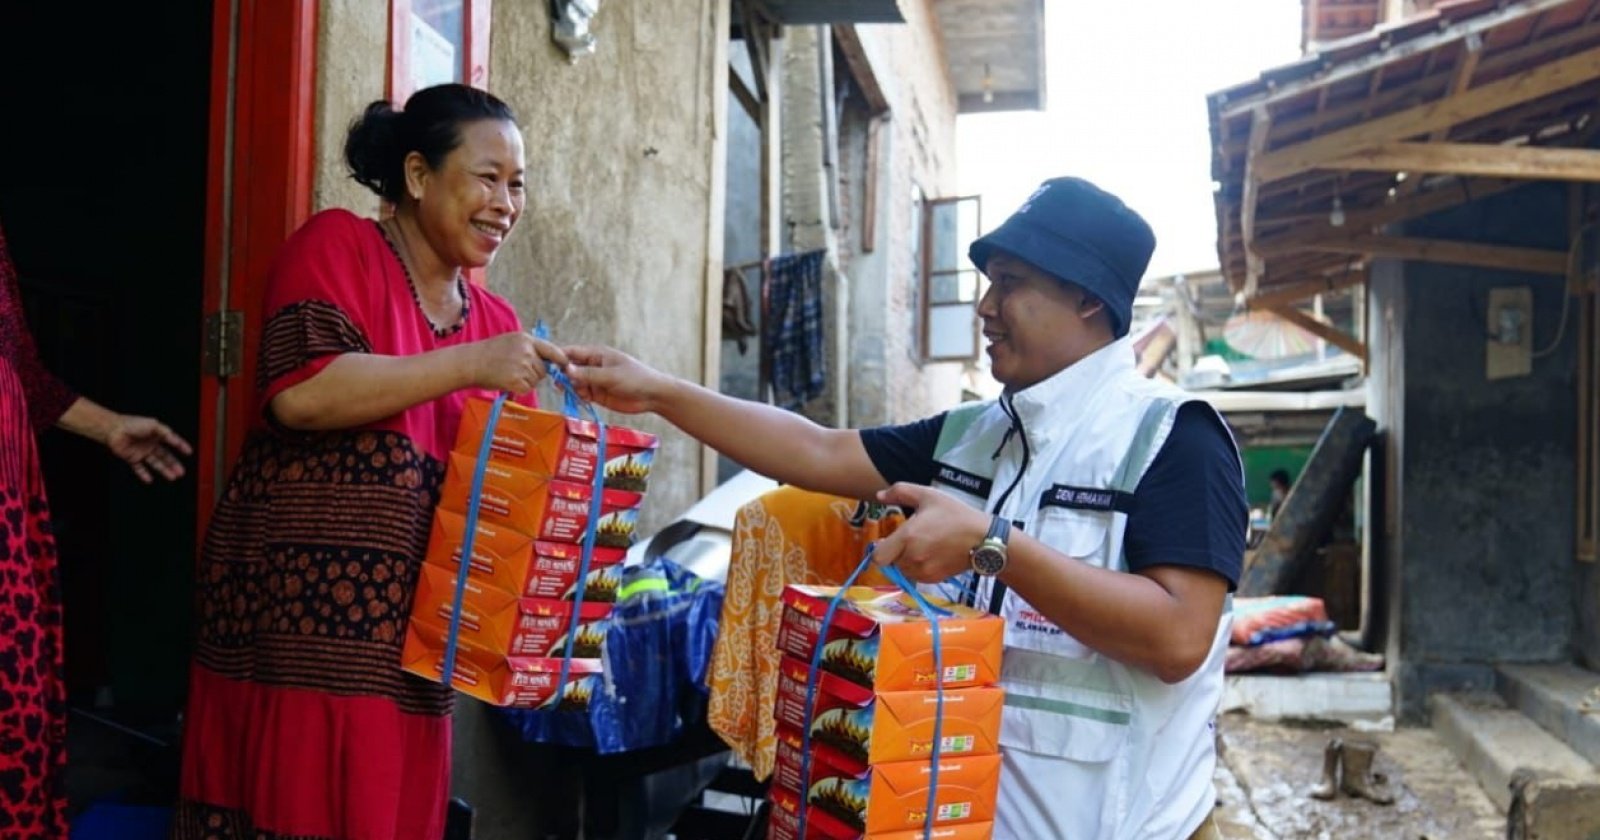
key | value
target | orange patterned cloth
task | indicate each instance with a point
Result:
(786, 536)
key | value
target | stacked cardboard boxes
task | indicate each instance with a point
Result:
(523, 582)
(871, 722)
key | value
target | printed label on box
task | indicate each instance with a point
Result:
(555, 446)
(873, 728)
(880, 639)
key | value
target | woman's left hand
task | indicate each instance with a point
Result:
(148, 446)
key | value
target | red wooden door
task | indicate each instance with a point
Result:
(262, 156)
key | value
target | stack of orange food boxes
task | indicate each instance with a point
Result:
(872, 721)
(523, 580)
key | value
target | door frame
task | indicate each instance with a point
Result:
(260, 172)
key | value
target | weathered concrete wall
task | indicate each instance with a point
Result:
(352, 52)
(1485, 545)
(808, 217)
(1386, 301)
(612, 248)
(1587, 641)
(740, 372)
(1587, 575)
(870, 303)
(916, 158)
(741, 230)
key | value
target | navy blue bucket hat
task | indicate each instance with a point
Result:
(1077, 232)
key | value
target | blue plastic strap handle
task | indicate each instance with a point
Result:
(571, 404)
(574, 405)
(898, 578)
(463, 569)
(933, 613)
(811, 684)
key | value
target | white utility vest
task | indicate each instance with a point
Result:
(1093, 749)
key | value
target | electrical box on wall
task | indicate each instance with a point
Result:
(1510, 333)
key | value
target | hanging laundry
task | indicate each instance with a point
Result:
(794, 328)
(737, 315)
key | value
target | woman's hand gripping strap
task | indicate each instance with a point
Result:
(576, 406)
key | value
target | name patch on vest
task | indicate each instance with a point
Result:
(1086, 498)
(977, 485)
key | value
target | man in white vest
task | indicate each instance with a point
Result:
(1100, 513)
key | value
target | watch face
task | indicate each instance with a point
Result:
(988, 559)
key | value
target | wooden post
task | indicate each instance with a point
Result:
(1260, 124)
(1313, 502)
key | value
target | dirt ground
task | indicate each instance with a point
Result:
(1266, 770)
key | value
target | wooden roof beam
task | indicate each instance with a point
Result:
(1428, 88)
(1406, 49)
(1498, 95)
(1504, 257)
(1460, 80)
(1480, 159)
(1260, 124)
(1441, 197)
(1338, 338)
(1550, 109)
(855, 55)
(1576, 96)
(1291, 293)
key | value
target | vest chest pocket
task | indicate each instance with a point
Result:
(1081, 534)
(1075, 709)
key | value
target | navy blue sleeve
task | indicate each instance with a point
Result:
(904, 453)
(1189, 508)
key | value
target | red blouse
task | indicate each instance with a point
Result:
(337, 287)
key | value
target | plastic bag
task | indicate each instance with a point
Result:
(657, 654)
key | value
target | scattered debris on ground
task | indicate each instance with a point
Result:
(1268, 771)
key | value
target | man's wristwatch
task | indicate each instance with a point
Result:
(989, 556)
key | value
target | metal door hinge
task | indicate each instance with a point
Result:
(223, 354)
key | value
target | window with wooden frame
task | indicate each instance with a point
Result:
(951, 286)
(432, 42)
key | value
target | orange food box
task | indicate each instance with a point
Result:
(880, 639)
(539, 506)
(556, 446)
(508, 559)
(868, 728)
(785, 825)
(521, 682)
(502, 623)
(845, 801)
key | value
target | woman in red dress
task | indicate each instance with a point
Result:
(32, 688)
(300, 722)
